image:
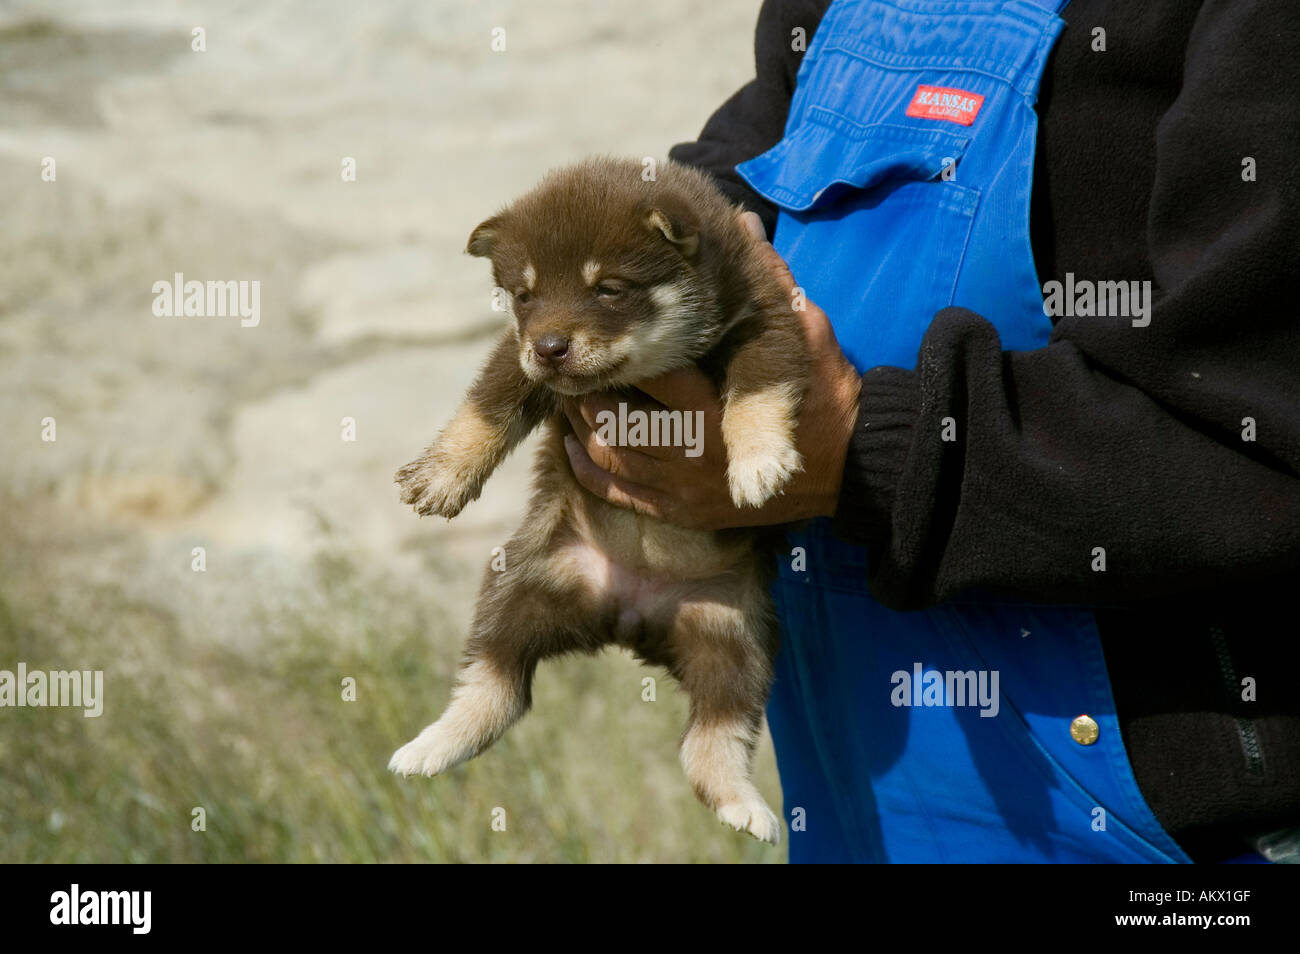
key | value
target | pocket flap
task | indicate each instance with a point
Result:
(827, 151)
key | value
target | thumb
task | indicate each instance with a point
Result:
(687, 389)
(816, 325)
(771, 259)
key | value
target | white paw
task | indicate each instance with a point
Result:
(754, 479)
(432, 752)
(752, 816)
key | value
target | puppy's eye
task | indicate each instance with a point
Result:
(523, 296)
(608, 290)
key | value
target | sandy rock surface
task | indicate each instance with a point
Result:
(225, 165)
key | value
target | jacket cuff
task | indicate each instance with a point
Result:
(882, 436)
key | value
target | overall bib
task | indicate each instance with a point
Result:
(903, 184)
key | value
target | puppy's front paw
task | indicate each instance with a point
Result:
(753, 817)
(434, 488)
(758, 429)
(756, 478)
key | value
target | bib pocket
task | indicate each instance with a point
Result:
(829, 154)
(879, 218)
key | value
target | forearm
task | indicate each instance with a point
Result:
(1038, 473)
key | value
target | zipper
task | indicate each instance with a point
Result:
(1246, 731)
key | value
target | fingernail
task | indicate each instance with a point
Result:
(754, 225)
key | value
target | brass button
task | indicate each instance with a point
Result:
(1084, 730)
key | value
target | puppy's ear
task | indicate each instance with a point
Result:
(677, 224)
(484, 237)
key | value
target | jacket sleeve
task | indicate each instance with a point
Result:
(1171, 452)
(753, 120)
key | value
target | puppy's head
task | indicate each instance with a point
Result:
(601, 269)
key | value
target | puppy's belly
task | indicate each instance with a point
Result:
(642, 604)
(633, 596)
(638, 572)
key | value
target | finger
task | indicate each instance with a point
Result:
(687, 389)
(768, 255)
(640, 463)
(817, 329)
(619, 492)
(816, 325)
(753, 224)
(626, 463)
(603, 412)
(594, 403)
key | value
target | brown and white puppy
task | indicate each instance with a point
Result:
(612, 280)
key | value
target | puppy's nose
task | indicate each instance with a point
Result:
(552, 348)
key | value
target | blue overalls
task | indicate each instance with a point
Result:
(903, 184)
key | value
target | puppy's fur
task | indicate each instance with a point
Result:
(612, 280)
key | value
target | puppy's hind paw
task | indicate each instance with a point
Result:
(430, 753)
(752, 816)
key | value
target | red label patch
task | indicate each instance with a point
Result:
(944, 102)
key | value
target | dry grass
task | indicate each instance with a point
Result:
(288, 771)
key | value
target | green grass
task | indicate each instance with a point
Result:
(287, 771)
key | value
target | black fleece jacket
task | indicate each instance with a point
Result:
(1169, 157)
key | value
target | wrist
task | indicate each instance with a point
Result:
(840, 424)
(880, 442)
